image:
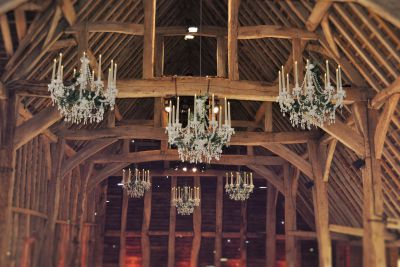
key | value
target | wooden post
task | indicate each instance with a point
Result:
(233, 25)
(122, 238)
(290, 177)
(48, 252)
(270, 243)
(221, 56)
(194, 255)
(243, 234)
(218, 221)
(171, 232)
(297, 52)
(374, 228)
(149, 38)
(100, 221)
(159, 68)
(145, 228)
(320, 199)
(7, 174)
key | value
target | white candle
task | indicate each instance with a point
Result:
(340, 78)
(62, 72)
(251, 178)
(225, 111)
(177, 111)
(115, 75)
(59, 66)
(227, 178)
(337, 80)
(220, 117)
(287, 81)
(109, 78)
(327, 73)
(296, 78)
(212, 108)
(74, 73)
(53, 75)
(195, 109)
(169, 113)
(280, 81)
(173, 113)
(229, 113)
(99, 70)
(325, 79)
(188, 115)
(283, 79)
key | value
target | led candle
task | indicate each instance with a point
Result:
(99, 70)
(53, 75)
(195, 109)
(188, 115)
(287, 81)
(327, 73)
(340, 78)
(251, 178)
(62, 72)
(212, 107)
(337, 80)
(225, 111)
(109, 78)
(173, 114)
(283, 79)
(229, 113)
(231, 178)
(296, 78)
(220, 116)
(227, 178)
(115, 74)
(59, 66)
(177, 111)
(280, 81)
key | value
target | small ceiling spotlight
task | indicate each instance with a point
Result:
(133, 141)
(184, 169)
(189, 37)
(120, 184)
(194, 169)
(192, 29)
(282, 222)
(262, 187)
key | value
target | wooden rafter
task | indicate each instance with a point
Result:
(6, 34)
(8, 5)
(233, 25)
(274, 31)
(383, 95)
(149, 39)
(318, 12)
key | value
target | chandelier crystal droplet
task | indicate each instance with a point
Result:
(309, 104)
(136, 183)
(185, 199)
(203, 138)
(241, 188)
(83, 99)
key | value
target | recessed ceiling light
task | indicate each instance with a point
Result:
(184, 168)
(189, 36)
(262, 187)
(224, 259)
(192, 29)
(194, 169)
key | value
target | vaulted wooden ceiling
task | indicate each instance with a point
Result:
(364, 38)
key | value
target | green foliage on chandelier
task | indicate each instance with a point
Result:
(72, 97)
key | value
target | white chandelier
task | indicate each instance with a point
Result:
(310, 103)
(185, 199)
(83, 98)
(136, 183)
(204, 136)
(240, 189)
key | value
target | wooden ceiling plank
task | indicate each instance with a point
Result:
(383, 124)
(6, 34)
(318, 12)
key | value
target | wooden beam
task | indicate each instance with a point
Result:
(110, 26)
(345, 135)
(326, 29)
(104, 173)
(3, 93)
(171, 232)
(206, 31)
(38, 124)
(20, 21)
(221, 56)
(146, 249)
(8, 5)
(88, 151)
(290, 177)
(196, 243)
(218, 221)
(269, 175)
(122, 238)
(149, 38)
(243, 234)
(233, 25)
(328, 158)
(381, 97)
(295, 159)
(373, 222)
(321, 207)
(60, 44)
(187, 86)
(270, 243)
(347, 230)
(68, 10)
(158, 133)
(274, 31)
(383, 124)
(318, 12)
(6, 34)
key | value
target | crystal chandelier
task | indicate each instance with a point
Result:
(136, 183)
(204, 135)
(240, 189)
(309, 103)
(83, 98)
(185, 199)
